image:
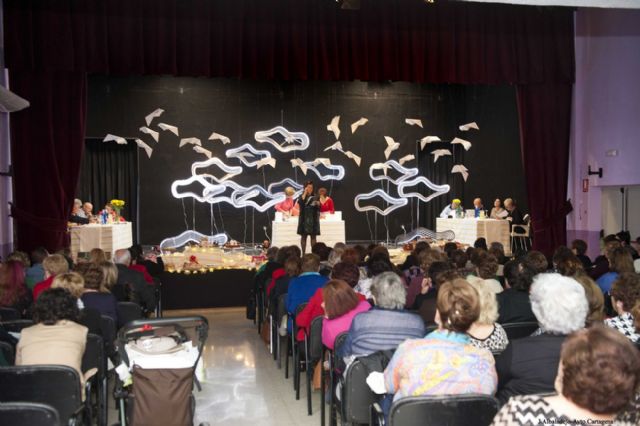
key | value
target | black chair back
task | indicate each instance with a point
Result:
(8, 352)
(127, 312)
(94, 355)
(54, 385)
(16, 326)
(357, 396)
(282, 307)
(28, 413)
(315, 339)
(449, 410)
(9, 314)
(108, 327)
(518, 330)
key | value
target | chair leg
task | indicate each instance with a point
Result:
(104, 401)
(322, 390)
(286, 359)
(309, 380)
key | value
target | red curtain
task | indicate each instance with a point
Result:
(409, 40)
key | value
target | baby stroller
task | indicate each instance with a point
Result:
(155, 381)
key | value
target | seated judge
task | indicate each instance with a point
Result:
(77, 215)
(87, 208)
(450, 210)
(288, 207)
(326, 203)
(498, 212)
(513, 213)
(477, 207)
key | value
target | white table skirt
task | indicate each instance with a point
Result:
(285, 233)
(468, 230)
(107, 237)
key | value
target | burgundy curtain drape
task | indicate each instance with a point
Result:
(446, 42)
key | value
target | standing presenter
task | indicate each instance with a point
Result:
(309, 219)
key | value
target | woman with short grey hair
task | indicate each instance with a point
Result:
(388, 292)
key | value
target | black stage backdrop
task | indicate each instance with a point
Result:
(237, 109)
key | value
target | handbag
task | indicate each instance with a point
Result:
(265, 332)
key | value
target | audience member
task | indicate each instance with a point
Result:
(529, 365)
(513, 303)
(21, 257)
(136, 254)
(566, 263)
(151, 262)
(53, 265)
(538, 261)
(460, 259)
(620, 261)
(598, 375)
(444, 362)
(74, 284)
(109, 276)
(377, 263)
(594, 298)
(485, 332)
(579, 248)
(97, 256)
(426, 257)
(13, 291)
(481, 243)
(340, 305)
(429, 290)
(302, 287)
(350, 255)
(497, 250)
(92, 297)
(625, 294)
(35, 272)
(411, 267)
(131, 285)
(601, 263)
(387, 324)
(292, 269)
(486, 269)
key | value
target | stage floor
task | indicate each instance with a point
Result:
(219, 289)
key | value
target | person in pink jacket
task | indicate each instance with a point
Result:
(341, 304)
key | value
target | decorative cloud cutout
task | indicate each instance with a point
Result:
(394, 203)
(192, 236)
(293, 141)
(437, 189)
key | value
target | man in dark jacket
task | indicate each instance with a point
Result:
(131, 285)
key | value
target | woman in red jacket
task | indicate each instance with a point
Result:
(326, 203)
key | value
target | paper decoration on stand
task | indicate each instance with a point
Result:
(356, 124)
(413, 122)
(427, 140)
(334, 126)
(155, 114)
(192, 141)
(406, 158)
(113, 138)
(335, 147)
(170, 128)
(392, 145)
(192, 237)
(464, 143)
(217, 136)
(155, 135)
(296, 141)
(459, 168)
(439, 153)
(305, 166)
(468, 126)
(356, 158)
(202, 150)
(144, 146)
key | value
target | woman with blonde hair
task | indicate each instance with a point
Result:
(97, 256)
(110, 276)
(485, 332)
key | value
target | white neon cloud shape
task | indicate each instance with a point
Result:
(283, 184)
(394, 203)
(337, 171)
(192, 236)
(209, 190)
(437, 189)
(246, 150)
(424, 233)
(293, 141)
(243, 197)
(405, 173)
(231, 171)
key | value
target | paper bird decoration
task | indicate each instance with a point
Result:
(155, 135)
(353, 156)
(459, 168)
(469, 126)
(194, 141)
(380, 166)
(149, 118)
(439, 153)
(201, 150)
(464, 143)
(355, 125)
(324, 161)
(217, 136)
(336, 146)
(406, 158)
(413, 122)
(172, 129)
(144, 146)
(333, 126)
(117, 139)
(391, 146)
(266, 161)
(428, 139)
(296, 162)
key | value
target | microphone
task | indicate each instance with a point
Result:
(403, 230)
(264, 228)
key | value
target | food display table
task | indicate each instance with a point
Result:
(468, 230)
(284, 232)
(109, 238)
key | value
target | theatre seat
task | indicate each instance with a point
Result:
(28, 413)
(450, 410)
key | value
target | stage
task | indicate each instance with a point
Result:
(218, 289)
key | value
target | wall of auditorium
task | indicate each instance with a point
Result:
(237, 109)
(605, 114)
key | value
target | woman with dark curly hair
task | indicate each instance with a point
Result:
(598, 376)
(625, 294)
(56, 338)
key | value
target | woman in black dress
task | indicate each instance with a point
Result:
(309, 219)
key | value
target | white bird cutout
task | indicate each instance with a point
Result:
(217, 136)
(427, 140)
(201, 150)
(194, 141)
(155, 135)
(391, 146)
(144, 146)
(296, 162)
(113, 138)
(459, 168)
(335, 147)
(155, 114)
(464, 143)
(413, 122)
(333, 126)
(439, 153)
(469, 126)
(380, 166)
(353, 156)
(406, 158)
(169, 127)
(324, 161)
(270, 161)
(356, 124)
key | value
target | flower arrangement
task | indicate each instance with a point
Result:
(117, 206)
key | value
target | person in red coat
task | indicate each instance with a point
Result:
(326, 203)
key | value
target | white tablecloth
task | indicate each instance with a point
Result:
(284, 233)
(107, 237)
(469, 230)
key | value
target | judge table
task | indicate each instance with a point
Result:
(468, 230)
(285, 231)
(109, 238)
